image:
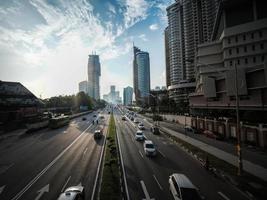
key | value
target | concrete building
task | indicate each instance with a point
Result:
(240, 40)
(127, 96)
(94, 72)
(141, 76)
(113, 96)
(167, 56)
(83, 87)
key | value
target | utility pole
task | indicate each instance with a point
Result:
(238, 133)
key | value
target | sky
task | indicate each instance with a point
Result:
(44, 44)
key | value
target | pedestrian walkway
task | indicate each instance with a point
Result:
(249, 167)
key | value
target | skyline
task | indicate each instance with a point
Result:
(41, 52)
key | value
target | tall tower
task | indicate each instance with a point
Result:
(94, 72)
(135, 75)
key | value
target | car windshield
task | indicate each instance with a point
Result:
(189, 194)
(139, 133)
(150, 146)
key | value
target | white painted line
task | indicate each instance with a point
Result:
(123, 170)
(2, 188)
(147, 197)
(162, 153)
(141, 154)
(223, 195)
(18, 195)
(157, 182)
(42, 191)
(98, 169)
(85, 151)
(64, 186)
(5, 168)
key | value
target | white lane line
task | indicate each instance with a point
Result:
(85, 151)
(141, 154)
(5, 168)
(147, 197)
(98, 168)
(64, 186)
(123, 170)
(160, 187)
(223, 195)
(2, 188)
(162, 153)
(36, 178)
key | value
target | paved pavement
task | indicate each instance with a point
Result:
(147, 176)
(42, 164)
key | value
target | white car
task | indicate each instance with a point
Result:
(139, 135)
(141, 126)
(136, 120)
(182, 189)
(149, 148)
(73, 193)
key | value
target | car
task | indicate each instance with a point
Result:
(84, 118)
(141, 126)
(73, 193)
(155, 129)
(98, 134)
(149, 148)
(94, 115)
(132, 118)
(190, 129)
(136, 120)
(139, 135)
(102, 117)
(181, 188)
(123, 118)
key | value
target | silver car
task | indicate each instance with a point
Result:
(73, 193)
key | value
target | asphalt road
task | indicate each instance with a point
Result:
(42, 164)
(148, 177)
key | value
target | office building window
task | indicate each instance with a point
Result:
(229, 40)
(254, 59)
(253, 47)
(230, 51)
(238, 62)
(245, 48)
(231, 63)
(252, 35)
(262, 58)
(262, 46)
(246, 60)
(260, 34)
(236, 38)
(237, 50)
(244, 37)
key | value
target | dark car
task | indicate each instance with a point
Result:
(98, 134)
(84, 118)
(155, 130)
(73, 193)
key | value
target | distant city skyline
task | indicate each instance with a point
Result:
(44, 44)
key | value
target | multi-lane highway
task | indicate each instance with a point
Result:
(42, 164)
(147, 178)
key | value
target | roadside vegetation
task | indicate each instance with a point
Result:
(110, 185)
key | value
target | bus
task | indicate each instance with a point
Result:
(59, 121)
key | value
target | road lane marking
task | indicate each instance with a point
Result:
(5, 168)
(162, 153)
(157, 182)
(223, 195)
(85, 151)
(123, 169)
(64, 186)
(36, 178)
(2, 188)
(141, 154)
(42, 191)
(147, 197)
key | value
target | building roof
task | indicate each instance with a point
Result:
(15, 94)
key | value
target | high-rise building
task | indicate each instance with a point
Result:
(83, 87)
(127, 96)
(113, 96)
(141, 76)
(94, 72)
(167, 56)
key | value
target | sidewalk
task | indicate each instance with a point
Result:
(249, 166)
(17, 132)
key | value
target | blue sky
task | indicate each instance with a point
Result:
(44, 44)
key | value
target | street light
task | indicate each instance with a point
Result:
(238, 146)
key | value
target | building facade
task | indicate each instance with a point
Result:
(83, 87)
(238, 57)
(127, 96)
(167, 57)
(94, 72)
(135, 72)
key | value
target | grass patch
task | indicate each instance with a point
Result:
(110, 186)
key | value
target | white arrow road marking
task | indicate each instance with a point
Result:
(42, 191)
(223, 195)
(147, 197)
(2, 188)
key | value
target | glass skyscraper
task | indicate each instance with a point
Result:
(94, 71)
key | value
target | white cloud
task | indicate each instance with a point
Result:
(143, 37)
(111, 8)
(154, 27)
